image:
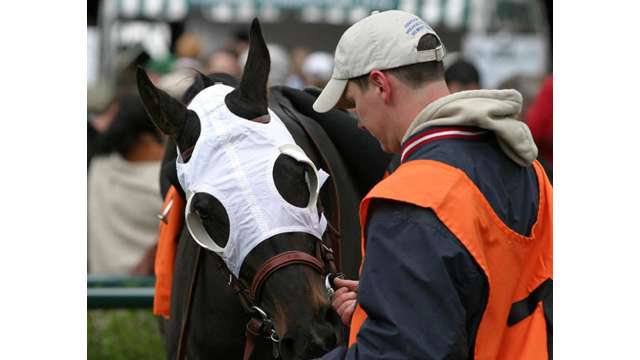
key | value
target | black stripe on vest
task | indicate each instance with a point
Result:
(523, 308)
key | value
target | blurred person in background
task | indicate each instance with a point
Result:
(317, 69)
(280, 65)
(224, 61)
(239, 42)
(527, 85)
(540, 120)
(102, 108)
(462, 75)
(103, 97)
(123, 193)
(296, 78)
(188, 52)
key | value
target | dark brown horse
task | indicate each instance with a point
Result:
(293, 297)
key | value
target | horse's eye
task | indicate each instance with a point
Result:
(213, 217)
(202, 213)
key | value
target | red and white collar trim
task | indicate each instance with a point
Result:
(423, 138)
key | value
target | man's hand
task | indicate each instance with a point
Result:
(344, 300)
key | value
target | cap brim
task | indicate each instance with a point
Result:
(330, 95)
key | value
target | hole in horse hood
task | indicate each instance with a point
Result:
(233, 161)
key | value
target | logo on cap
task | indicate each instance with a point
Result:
(414, 26)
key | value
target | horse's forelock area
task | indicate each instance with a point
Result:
(201, 82)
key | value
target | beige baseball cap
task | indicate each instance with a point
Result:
(383, 40)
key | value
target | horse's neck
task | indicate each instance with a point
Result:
(285, 111)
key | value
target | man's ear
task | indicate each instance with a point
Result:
(381, 83)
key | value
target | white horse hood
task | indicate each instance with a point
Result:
(233, 161)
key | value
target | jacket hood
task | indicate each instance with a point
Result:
(494, 110)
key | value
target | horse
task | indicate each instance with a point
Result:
(208, 316)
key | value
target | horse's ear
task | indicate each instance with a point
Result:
(249, 100)
(169, 115)
(204, 79)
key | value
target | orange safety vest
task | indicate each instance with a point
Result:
(166, 253)
(514, 265)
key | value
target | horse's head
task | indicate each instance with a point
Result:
(251, 196)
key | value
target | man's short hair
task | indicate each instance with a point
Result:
(414, 75)
(462, 72)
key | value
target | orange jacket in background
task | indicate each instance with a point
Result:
(165, 256)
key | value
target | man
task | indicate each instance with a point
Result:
(123, 193)
(457, 254)
(317, 68)
(188, 52)
(462, 75)
(224, 61)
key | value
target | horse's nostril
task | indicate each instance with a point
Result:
(308, 343)
(287, 347)
(332, 342)
(331, 316)
(328, 338)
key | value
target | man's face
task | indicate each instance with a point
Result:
(371, 112)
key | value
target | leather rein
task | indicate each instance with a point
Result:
(323, 261)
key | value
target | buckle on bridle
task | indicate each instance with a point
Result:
(329, 283)
(266, 324)
(257, 310)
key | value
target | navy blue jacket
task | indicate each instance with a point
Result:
(423, 292)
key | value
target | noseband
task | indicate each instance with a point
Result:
(277, 262)
(261, 324)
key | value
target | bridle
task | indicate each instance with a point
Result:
(322, 261)
(260, 323)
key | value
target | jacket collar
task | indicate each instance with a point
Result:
(494, 110)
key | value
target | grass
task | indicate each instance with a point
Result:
(123, 334)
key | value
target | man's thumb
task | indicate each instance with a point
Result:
(350, 284)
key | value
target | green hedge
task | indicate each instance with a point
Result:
(123, 334)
